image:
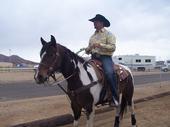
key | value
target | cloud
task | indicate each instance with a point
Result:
(137, 24)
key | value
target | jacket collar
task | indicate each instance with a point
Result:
(100, 31)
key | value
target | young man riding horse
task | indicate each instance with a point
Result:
(102, 46)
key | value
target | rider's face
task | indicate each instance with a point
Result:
(98, 25)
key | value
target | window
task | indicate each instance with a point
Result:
(120, 58)
(138, 60)
(147, 60)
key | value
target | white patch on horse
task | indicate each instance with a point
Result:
(131, 108)
(75, 123)
(91, 118)
(73, 61)
(83, 75)
(36, 74)
(43, 55)
(128, 69)
(95, 90)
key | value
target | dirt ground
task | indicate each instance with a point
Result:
(8, 77)
(13, 77)
(154, 113)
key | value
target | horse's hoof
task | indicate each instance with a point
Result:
(134, 125)
(116, 125)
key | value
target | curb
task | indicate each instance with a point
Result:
(50, 122)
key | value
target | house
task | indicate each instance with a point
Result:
(6, 64)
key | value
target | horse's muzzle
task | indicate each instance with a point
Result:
(40, 79)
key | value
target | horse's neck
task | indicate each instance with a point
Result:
(69, 63)
(72, 77)
(70, 69)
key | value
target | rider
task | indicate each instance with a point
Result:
(101, 46)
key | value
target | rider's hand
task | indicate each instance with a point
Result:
(87, 50)
(96, 45)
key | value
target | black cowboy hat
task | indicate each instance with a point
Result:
(101, 18)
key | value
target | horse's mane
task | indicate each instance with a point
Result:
(77, 58)
(72, 54)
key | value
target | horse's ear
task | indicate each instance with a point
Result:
(53, 41)
(43, 42)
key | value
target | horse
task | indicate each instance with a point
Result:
(83, 87)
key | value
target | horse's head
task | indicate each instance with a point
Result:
(50, 60)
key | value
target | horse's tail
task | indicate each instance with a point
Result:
(127, 95)
(123, 105)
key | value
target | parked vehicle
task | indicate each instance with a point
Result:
(166, 67)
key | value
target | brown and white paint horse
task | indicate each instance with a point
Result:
(83, 87)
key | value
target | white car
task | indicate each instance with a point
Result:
(165, 68)
(36, 67)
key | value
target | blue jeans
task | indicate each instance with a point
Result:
(109, 73)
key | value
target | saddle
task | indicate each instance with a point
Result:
(119, 70)
(121, 74)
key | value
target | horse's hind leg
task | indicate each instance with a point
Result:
(130, 101)
(77, 113)
(131, 108)
(117, 117)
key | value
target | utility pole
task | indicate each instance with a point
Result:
(9, 55)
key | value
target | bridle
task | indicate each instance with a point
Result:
(52, 70)
(52, 67)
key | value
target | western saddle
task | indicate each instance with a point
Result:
(121, 74)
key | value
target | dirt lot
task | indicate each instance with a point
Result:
(8, 77)
(155, 113)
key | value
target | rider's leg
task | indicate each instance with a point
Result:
(110, 75)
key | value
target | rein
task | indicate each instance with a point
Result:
(77, 91)
(58, 83)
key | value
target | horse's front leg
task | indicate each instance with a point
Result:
(90, 113)
(76, 112)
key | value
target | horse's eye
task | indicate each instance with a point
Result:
(53, 55)
(50, 55)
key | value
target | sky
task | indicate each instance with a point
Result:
(140, 26)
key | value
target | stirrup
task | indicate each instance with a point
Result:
(116, 103)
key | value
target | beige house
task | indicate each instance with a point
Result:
(5, 64)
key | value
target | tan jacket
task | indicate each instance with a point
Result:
(105, 39)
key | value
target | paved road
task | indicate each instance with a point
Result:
(30, 89)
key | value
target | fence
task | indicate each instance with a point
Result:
(16, 69)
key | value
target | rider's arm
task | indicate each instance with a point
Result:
(88, 49)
